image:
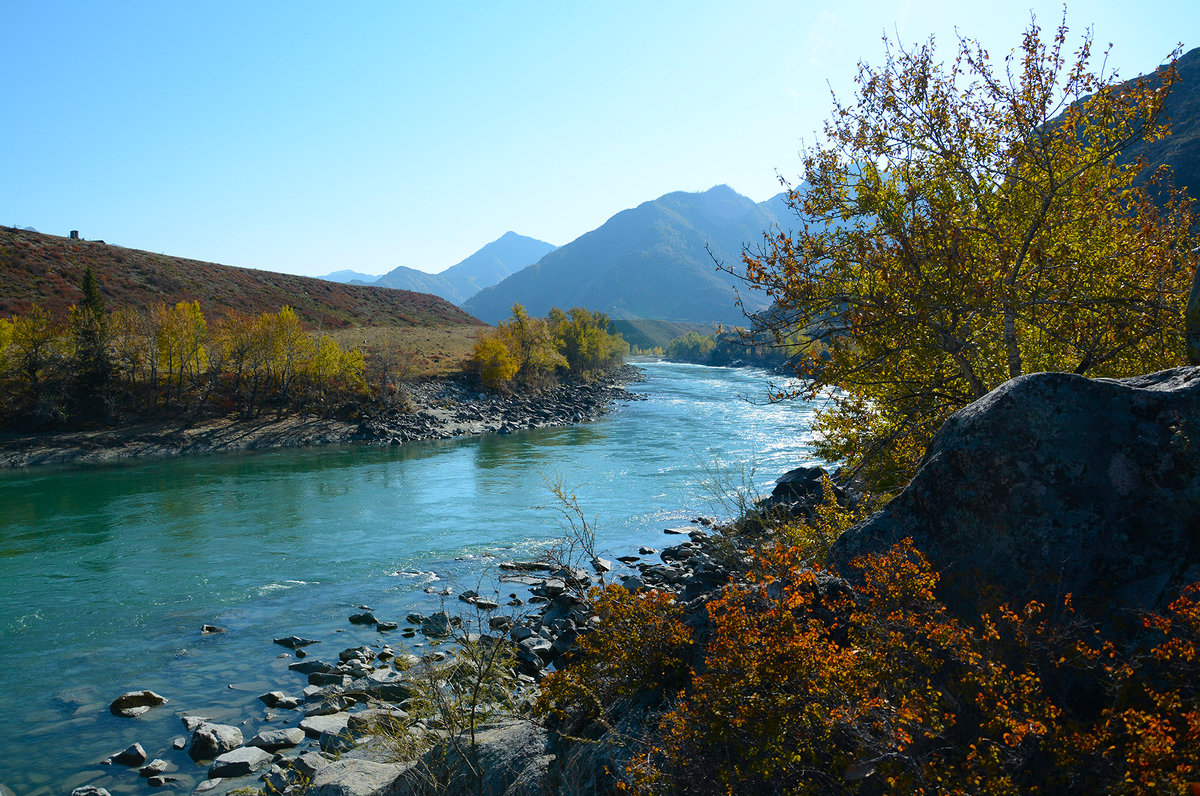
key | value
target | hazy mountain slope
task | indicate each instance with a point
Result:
(506, 255)
(346, 276)
(648, 262)
(48, 269)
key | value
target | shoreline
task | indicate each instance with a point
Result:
(442, 409)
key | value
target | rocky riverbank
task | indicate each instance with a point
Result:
(439, 409)
(323, 736)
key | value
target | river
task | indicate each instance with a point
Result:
(107, 573)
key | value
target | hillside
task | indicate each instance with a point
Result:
(646, 333)
(652, 261)
(1181, 149)
(504, 256)
(48, 269)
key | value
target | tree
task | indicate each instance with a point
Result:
(92, 363)
(964, 224)
(181, 340)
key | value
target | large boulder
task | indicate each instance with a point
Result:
(354, 777)
(512, 756)
(1054, 484)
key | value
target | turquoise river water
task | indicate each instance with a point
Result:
(107, 573)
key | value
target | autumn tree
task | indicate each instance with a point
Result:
(181, 340)
(964, 223)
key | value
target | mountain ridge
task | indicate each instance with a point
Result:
(490, 264)
(655, 260)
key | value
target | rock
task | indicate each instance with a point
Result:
(677, 531)
(354, 777)
(295, 642)
(308, 667)
(513, 759)
(386, 626)
(212, 740)
(369, 719)
(1053, 484)
(209, 630)
(362, 653)
(318, 726)
(90, 790)
(328, 678)
(485, 604)
(179, 743)
(159, 781)
(207, 785)
(551, 587)
(309, 763)
(438, 625)
(288, 703)
(633, 583)
(502, 623)
(365, 618)
(273, 740)
(330, 706)
(601, 565)
(190, 723)
(526, 566)
(385, 684)
(240, 762)
(629, 559)
(133, 755)
(414, 618)
(803, 484)
(154, 768)
(271, 698)
(134, 703)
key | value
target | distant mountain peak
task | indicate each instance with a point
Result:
(504, 256)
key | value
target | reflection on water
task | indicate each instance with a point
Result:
(109, 572)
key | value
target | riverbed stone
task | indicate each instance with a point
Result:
(274, 740)
(437, 625)
(212, 740)
(295, 642)
(90, 790)
(134, 703)
(240, 762)
(317, 726)
(309, 763)
(154, 768)
(190, 722)
(132, 755)
(310, 667)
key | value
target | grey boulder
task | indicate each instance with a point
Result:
(134, 703)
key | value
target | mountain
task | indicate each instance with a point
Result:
(1181, 149)
(48, 269)
(504, 256)
(652, 261)
(346, 277)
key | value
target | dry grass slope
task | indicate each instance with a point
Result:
(48, 269)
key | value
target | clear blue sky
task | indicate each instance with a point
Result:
(310, 137)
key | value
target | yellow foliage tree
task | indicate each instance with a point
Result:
(965, 224)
